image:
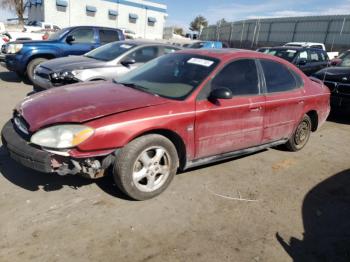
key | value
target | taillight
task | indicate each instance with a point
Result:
(5, 39)
(45, 37)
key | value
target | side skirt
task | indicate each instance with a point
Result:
(224, 156)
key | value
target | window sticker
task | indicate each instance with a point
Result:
(201, 62)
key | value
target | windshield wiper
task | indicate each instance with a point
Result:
(137, 87)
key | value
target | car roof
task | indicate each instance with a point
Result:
(298, 48)
(222, 53)
(145, 42)
(92, 26)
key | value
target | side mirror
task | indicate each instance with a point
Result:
(127, 62)
(70, 39)
(302, 61)
(220, 93)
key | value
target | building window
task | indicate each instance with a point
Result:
(151, 21)
(61, 5)
(112, 14)
(91, 10)
(133, 18)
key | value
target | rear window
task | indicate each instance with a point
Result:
(286, 54)
(107, 36)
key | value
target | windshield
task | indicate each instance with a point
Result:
(172, 76)
(345, 61)
(110, 51)
(197, 45)
(287, 54)
(58, 34)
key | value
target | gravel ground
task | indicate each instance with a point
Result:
(300, 210)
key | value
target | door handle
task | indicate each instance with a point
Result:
(255, 109)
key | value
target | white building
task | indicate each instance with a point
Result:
(145, 18)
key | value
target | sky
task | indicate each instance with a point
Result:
(182, 12)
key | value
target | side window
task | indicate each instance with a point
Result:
(322, 56)
(83, 36)
(145, 54)
(313, 56)
(107, 36)
(278, 78)
(240, 77)
(302, 55)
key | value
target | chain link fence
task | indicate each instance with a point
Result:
(333, 31)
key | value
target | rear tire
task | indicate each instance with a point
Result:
(32, 65)
(145, 167)
(301, 135)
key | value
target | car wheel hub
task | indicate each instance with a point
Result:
(151, 169)
(302, 133)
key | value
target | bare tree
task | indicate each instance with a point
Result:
(15, 5)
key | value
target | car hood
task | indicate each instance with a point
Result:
(79, 103)
(72, 63)
(337, 73)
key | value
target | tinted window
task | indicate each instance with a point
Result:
(322, 56)
(168, 50)
(83, 36)
(240, 77)
(287, 54)
(314, 56)
(317, 46)
(107, 36)
(277, 76)
(145, 54)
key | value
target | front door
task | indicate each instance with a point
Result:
(226, 125)
(84, 41)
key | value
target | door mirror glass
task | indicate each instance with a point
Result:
(220, 93)
(70, 39)
(127, 62)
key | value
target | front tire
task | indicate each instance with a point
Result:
(32, 65)
(301, 135)
(145, 167)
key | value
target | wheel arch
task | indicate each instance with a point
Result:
(45, 55)
(314, 119)
(175, 138)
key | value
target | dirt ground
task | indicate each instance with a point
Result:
(300, 209)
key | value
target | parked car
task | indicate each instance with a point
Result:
(337, 78)
(307, 45)
(309, 60)
(104, 63)
(180, 110)
(35, 26)
(337, 60)
(23, 57)
(129, 34)
(206, 44)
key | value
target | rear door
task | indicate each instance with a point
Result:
(284, 100)
(227, 125)
(315, 61)
(85, 41)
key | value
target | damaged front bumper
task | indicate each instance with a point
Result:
(44, 161)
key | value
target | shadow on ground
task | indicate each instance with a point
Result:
(34, 181)
(12, 77)
(326, 218)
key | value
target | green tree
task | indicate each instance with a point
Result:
(15, 5)
(198, 23)
(178, 31)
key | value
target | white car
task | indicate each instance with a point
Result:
(307, 44)
(36, 26)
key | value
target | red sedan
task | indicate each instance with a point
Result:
(178, 111)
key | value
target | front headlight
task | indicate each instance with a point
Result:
(64, 75)
(62, 136)
(14, 48)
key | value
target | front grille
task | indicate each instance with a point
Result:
(343, 89)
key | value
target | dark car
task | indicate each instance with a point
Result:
(337, 78)
(107, 62)
(178, 111)
(309, 60)
(23, 57)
